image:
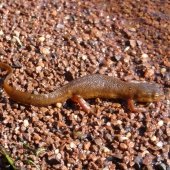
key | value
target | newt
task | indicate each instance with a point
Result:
(87, 87)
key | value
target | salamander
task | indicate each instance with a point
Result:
(87, 87)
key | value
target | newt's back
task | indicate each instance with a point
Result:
(97, 85)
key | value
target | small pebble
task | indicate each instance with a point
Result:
(87, 145)
(159, 144)
(133, 43)
(119, 122)
(41, 39)
(144, 56)
(26, 123)
(72, 145)
(123, 146)
(44, 50)
(106, 150)
(163, 70)
(161, 123)
(1, 33)
(153, 138)
(38, 69)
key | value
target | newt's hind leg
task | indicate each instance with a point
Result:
(85, 106)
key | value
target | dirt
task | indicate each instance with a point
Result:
(49, 43)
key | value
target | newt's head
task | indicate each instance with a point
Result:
(149, 92)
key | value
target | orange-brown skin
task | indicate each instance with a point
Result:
(92, 86)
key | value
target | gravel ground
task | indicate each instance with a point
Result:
(51, 42)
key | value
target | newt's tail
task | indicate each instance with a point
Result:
(27, 98)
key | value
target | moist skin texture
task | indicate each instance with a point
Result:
(91, 86)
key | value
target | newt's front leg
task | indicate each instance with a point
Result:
(85, 106)
(131, 106)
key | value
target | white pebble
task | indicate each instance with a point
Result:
(26, 123)
(144, 56)
(38, 69)
(56, 151)
(106, 150)
(153, 138)
(1, 32)
(160, 123)
(119, 122)
(41, 39)
(159, 144)
(72, 145)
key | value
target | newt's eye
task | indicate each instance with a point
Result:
(156, 95)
